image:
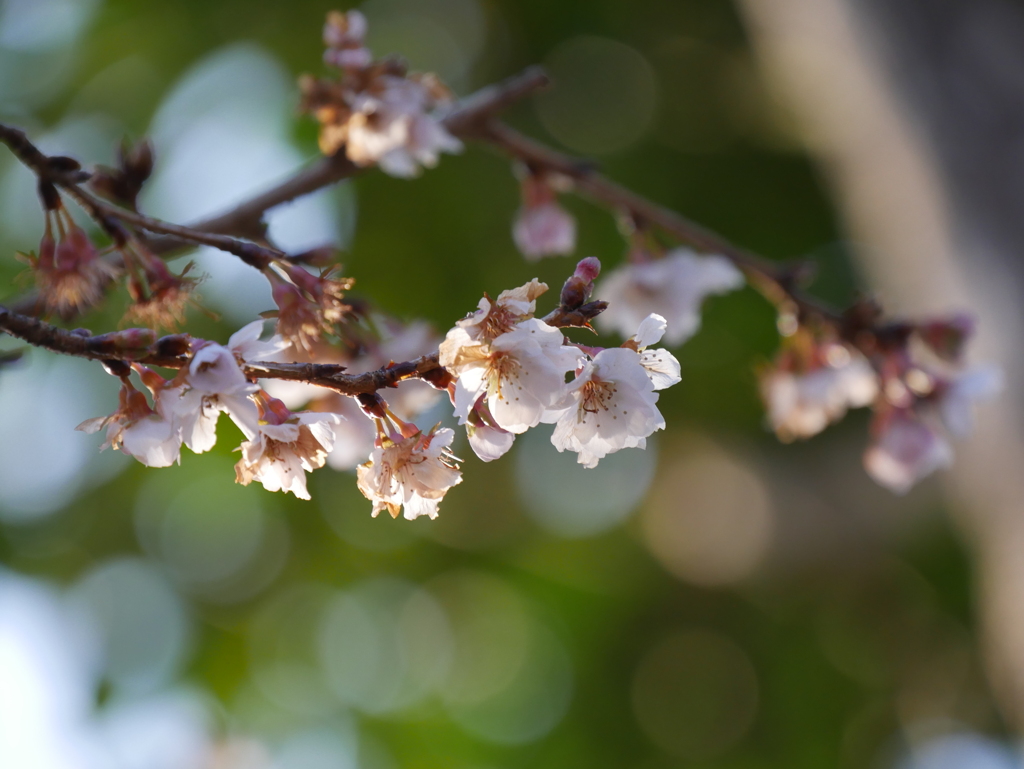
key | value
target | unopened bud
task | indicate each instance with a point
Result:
(372, 405)
(118, 368)
(580, 285)
(948, 336)
(173, 346)
(438, 378)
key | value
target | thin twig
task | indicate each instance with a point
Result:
(466, 121)
(169, 352)
(614, 196)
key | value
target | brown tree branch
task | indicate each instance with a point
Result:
(141, 346)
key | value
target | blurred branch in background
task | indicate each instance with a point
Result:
(915, 109)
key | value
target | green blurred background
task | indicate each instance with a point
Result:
(718, 601)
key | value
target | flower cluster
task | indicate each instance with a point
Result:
(915, 380)
(279, 445)
(504, 369)
(376, 112)
(510, 373)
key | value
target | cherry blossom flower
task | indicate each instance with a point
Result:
(802, 404)
(411, 472)
(343, 36)
(391, 125)
(285, 447)
(491, 319)
(611, 405)
(956, 397)
(661, 365)
(673, 287)
(212, 383)
(542, 227)
(138, 430)
(355, 435)
(519, 375)
(906, 450)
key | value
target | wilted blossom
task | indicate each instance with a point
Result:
(409, 470)
(137, 429)
(69, 271)
(308, 306)
(674, 287)
(542, 227)
(803, 400)
(906, 450)
(493, 318)
(285, 447)
(343, 37)
(159, 297)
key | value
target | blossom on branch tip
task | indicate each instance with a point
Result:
(343, 37)
(906, 450)
(409, 470)
(662, 366)
(285, 447)
(674, 287)
(138, 430)
(804, 399)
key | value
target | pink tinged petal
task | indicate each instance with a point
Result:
(651, 330)
(662, 368)
(544, 230)
(957, 404)
(907, 451)
(93, 425)
(489, 443)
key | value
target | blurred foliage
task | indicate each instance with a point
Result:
(855, 623)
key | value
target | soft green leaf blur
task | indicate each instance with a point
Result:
(719, 601)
